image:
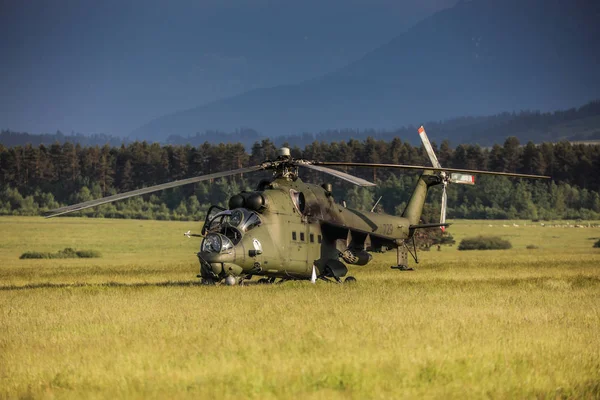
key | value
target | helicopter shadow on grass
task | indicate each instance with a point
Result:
(49, 285)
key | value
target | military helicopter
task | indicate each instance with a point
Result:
(288, 229)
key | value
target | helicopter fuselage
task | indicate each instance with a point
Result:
(300, 226)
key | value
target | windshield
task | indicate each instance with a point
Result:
(233, 223)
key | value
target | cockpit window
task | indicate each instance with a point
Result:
(236, 217)
(216, 223)
(252, 221)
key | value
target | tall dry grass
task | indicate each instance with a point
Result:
(500, 324)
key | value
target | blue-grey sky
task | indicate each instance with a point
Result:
(110, 66)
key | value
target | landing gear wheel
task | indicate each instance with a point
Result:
(350, 279)
(230, 281)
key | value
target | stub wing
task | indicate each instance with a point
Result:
(355, 237)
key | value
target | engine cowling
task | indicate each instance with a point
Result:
(251, 200)
(356, 257)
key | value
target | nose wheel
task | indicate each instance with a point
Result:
(230, 280)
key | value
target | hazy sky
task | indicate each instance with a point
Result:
(110, 66)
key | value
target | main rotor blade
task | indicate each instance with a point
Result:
(138, 192)
(342, 175)
(400, 166)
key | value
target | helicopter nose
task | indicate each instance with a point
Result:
(211, 257)
(231, 269)
(223, 263)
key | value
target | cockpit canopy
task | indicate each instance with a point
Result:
(233, 223)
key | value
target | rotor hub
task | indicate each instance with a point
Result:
(283, 167)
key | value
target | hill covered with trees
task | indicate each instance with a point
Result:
(34, 179)
(575, 124)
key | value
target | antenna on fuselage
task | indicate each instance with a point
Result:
(377, 202)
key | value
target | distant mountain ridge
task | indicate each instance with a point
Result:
(473, 59)
(575, 125)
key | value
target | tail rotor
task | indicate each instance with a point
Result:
(446, 179)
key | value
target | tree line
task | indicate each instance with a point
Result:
(34, 179)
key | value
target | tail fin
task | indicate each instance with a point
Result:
(414, 209)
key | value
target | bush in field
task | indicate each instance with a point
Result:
(66, 253)
(88, 254)
(597, 244)
(484, 243)
(34, 254)
(433, 237)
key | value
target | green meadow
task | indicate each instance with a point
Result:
(134, 323)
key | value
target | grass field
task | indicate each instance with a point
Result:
(134, 323)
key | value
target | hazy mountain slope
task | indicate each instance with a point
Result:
(477, 58)
(580, 124)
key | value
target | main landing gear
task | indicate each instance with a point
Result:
(349, 279)
(266, 281)
(402, 252)
(402, 268)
